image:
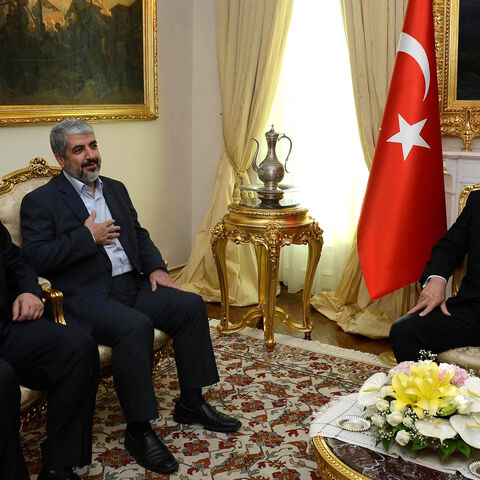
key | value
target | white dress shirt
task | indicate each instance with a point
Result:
(120, 262)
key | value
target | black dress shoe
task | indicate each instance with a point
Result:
(150, 452)
(207, 416)
(57, 474)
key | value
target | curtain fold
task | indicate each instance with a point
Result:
(251, 37)
(372, 29)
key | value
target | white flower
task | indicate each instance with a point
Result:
(462, 404)
(369, 393)
(468, 428)
(408, 421)
(371, 409)
(382, 405)
(378, 420)
(402, 437)
(394, 418)
(471, 390)
(435, 427)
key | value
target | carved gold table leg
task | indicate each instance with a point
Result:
(273, 240)
(219, 243)
(314, 250)
(315, 244)
(261, 253)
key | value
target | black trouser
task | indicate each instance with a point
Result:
(63, 360)
(126, 322)
(12, 463)
(435, 332)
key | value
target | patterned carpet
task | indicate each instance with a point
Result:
(274, 394)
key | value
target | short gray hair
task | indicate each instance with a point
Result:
(61, 131)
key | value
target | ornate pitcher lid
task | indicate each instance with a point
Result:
(271, 134)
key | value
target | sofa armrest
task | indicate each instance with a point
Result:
(56, 299)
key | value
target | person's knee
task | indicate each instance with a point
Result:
(193, 302)
(402, 328)
(141, 328)
(81, 346)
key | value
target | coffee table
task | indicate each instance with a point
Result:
(343, 461)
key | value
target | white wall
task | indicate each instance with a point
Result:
(153, 158)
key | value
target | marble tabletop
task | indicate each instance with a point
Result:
(378, 466)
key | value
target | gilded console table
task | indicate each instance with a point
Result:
(268, 230)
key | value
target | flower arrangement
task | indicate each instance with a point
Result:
(425, 404)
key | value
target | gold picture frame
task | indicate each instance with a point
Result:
(118, 23)
(459, 117)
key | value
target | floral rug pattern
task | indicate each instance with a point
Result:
(274, 395)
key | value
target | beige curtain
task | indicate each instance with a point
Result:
(251, 36)
(372, 29)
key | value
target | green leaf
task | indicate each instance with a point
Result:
(447, 448)
(418, 444)
(464, 448)
(386, 443)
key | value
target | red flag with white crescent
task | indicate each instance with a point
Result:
(403, 213)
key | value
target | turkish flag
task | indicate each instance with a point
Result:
(403, 212)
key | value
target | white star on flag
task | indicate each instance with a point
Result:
(409, 136)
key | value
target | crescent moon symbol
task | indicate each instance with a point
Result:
(412, 47)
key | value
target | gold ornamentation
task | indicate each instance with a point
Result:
(38, 168)
(330, 466)
(216, 233)
(468, 134)
(458, 118)
(33, 410)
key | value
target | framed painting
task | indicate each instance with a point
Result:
(457, 40)
(92, 59)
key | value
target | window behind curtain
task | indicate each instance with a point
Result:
(314, 106)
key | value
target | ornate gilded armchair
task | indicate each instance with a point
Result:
(13, 188)
(467, 357)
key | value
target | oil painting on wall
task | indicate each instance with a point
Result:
(90, 58)
(468, 70)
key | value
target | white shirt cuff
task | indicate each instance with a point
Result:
(434, 276)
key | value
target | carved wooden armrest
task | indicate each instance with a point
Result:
(56, 299)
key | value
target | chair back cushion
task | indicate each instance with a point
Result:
(15, 186)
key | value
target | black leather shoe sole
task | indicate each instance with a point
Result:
(152, 447)
(206, 416)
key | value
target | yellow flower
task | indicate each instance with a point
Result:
(422, 389)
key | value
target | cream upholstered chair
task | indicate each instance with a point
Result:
(466, 357)
(13, 188)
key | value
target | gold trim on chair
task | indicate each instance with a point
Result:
(56, 299)
(38, 168)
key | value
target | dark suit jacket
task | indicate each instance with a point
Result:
(62, 249)
(16, 277)
(462, 238)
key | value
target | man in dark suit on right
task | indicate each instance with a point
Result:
(81, 231)
(436, 324)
